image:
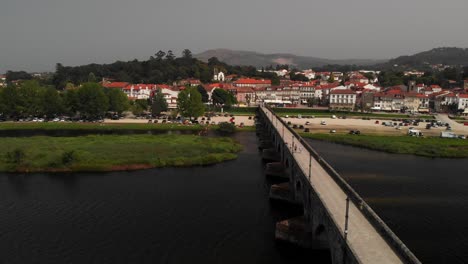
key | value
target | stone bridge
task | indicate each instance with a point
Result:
(334, 216)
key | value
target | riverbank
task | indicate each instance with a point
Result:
(327, 113)
(113, 153)
(427, 147)
(142, 125)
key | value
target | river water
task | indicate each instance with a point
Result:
(423, 200)
(214, 214)
(221, 213)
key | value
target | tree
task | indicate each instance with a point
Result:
(160, 55)
(159, 104)
(52, 102)
(71, 101)
(170, 55)
(187, 54)
(9, 101)
(93, 102)
(203, 93)
(223, 98)
(189, 103)
(18, 75)
(91, 77)
(118, 100)
(331, 79)
(29, 103)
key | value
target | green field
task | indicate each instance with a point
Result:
(97, 126)
(111, 127)
(427, 147)
(110, 153)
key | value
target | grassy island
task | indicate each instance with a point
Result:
(112, 153)
(97, 126)
(428, 147)
(112, 127)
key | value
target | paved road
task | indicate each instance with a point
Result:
(363, 239)
(457, 127)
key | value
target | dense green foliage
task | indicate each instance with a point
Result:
(17, 75)
(104, 153)
(99, 126)
(446, 56)
(118, 101)
(161, 68)
(30, 99)
(428, 147)
(226, 128)
(189, 103)
(159, 104)
(223, 98)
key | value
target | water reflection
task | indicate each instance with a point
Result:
(423, 200)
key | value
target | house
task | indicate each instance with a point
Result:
(248, 82)
(443, 100)
(342, 99)
(306, 91)
(190, 82)
(358, 78)
(170, 94)
(462, 105)
(139, 91)
(114, 85)
(310, 74)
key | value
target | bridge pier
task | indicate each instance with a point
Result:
(270, 155)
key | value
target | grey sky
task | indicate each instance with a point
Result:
(36, 34)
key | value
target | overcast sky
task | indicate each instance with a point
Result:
(36, 34)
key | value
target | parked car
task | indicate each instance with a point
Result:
(323, 122)
(333, 131)
(354, 132)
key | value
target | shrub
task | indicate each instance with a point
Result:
(16, 156)
(227, 128)
(69, 157)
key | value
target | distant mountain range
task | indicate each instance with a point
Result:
(236, 57)
(446, 56)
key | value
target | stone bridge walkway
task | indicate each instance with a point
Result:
(363, 239)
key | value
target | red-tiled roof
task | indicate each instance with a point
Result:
(115, 85)
(463, 95)
(252, 81)
(342, 91)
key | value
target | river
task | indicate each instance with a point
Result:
(221, 213)
(423, 200)
(213, 214)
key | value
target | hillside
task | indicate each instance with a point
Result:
(235, 57)
(446, 56)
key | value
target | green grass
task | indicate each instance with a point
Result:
(246, 111)
(97, 126)
(110, 127)
(108, 153)
(427, 147)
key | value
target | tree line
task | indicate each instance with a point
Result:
(89, 101)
